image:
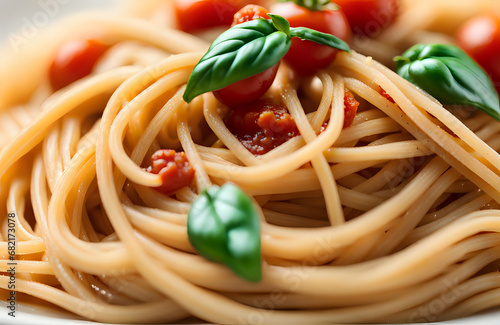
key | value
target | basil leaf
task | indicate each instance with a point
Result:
(239, 53)
(450, 75)
(314, 5)
(280, 23)
(224, 227)
(321, 38)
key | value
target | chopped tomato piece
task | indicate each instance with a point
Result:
(74, 60)
(262, 126)
(350, 109)
(173, 168)
(386, 95)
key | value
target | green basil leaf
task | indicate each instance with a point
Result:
(444, 51)
(321, 38)
(280, 23)
(314, 5)
(239, 53)
(224, 227)
(203, 227)
(450, 75)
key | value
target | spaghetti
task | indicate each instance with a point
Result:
(393, 219)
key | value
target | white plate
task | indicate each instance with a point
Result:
(28, 16)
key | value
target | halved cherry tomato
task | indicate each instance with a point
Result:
(307, 57)
(250, 89)
(173, 168)
(74, 60)
(261, 126)
(195, 15)
(480, 38)
(369, 17)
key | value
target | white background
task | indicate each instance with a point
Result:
(16, 15)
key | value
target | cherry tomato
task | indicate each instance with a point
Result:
(369, 17)
(480, 38)
(173, 168)
(252, 88)
(307, 57)
(261, 126)
(250, 12)
(73, 61)
(195, 15)
(247, 90)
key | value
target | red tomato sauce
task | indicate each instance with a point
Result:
(386, 95)
(173, 168)
(350, 109)
(262, 126)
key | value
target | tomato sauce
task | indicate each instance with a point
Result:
(262, 126)
(350, 109)
(386, 95)
(173, 168)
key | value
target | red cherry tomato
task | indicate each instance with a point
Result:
(307, 57)
(73, 61)
(195, 15)
(173, 168)
(480, 38)
(369, 17)
(250, 12)
(250, 89)
(247, 90)
(261, 126)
